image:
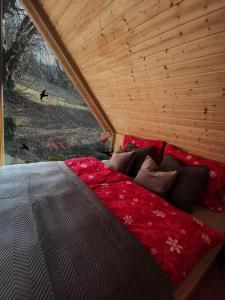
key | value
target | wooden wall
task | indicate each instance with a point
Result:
(157, 67)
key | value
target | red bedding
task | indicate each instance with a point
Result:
(174, 238)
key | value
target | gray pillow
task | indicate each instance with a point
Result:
(154, 180)
(121, 161)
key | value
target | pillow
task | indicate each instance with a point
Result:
(130, 147)
(211, 195)
(157, 181)
(158, 144)
(121, 161)
(189, 182)
(105, 162)
(139, 157)
(149, 164)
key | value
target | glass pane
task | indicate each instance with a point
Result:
(45, 118)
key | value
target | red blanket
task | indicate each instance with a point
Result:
(173, 237)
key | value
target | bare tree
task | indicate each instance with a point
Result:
(27, 59)
(15, 49)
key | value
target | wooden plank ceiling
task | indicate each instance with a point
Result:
(157, 67)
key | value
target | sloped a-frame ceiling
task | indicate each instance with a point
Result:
(156, 68)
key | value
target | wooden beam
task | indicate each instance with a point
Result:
(48, 31)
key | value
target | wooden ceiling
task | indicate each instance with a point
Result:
(156, 68)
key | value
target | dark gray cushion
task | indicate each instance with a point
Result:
(139, 157)
(188, 184)
(130, 147)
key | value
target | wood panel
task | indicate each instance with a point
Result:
(156, 68)
(209, 45)
(181, 32)
(189, 146)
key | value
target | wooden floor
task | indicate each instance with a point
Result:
(212, 287)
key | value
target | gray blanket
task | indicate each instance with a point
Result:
(58, 241)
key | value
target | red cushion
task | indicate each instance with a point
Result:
(211, 196)
(159, 145)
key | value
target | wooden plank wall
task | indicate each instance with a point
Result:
(157, 67)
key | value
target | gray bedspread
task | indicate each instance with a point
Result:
(58, 241)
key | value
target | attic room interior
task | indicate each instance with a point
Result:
(146, 221)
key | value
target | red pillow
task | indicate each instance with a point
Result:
(211, 196)
(158, 145)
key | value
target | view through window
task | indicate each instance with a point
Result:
(45, 118)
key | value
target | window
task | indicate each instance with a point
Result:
(45, 118)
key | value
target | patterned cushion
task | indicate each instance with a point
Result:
(158, 145)
(210, 196)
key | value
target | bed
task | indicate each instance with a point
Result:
(214, 220)
(29, 195)
(58, 241)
